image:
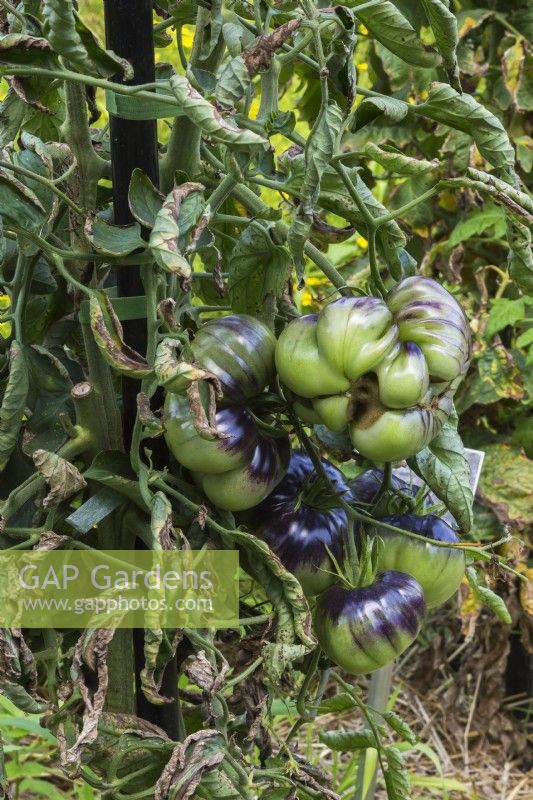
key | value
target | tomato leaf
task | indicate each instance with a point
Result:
(489, 598)
(113, 240)
(209, 120)
(180, 211)
(400, 727)
(336, 704)
(444, 25)
(258, 268)
(504, 312)
(318, 152)
(389, 26)
(396, 777)
(478, 222)
(348, 741)
(390, 158)
(144, 199)
(108, 335)
(234, 82)
(521, 254)
(462, 112)
(371, 107)
(13, 403)
(71, 39)
(446, 470)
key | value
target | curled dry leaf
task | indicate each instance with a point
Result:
(63, 478)
(166, 311)
(154, 665)
(168, 229)
(259, 56)
(150, 421)
(109, 337)
(50, 540)
(18, 672)
(91, 651)
(198, 753)
(203, 674)
(204, 421)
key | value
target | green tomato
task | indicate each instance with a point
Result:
(383, 370)
(385, 435)
(239, 351)
(363, 629)
(438, 570)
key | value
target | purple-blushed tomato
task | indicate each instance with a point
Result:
(438, 570)
(239, 465)
(363, 629)
(384, 370)
(245, 487)
(398, 499)
(298, 523)
(236, 470)
(366, 486)
(239, 351)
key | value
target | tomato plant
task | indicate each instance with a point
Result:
(240, 287)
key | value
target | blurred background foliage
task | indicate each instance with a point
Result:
(456, 235)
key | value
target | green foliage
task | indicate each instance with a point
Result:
(315, 151)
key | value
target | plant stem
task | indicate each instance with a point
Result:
(83, 182)
(373, 261)
(20, 290)
(378, 697)
(12, 10)
(50, 184)
(32, 485)
(367, 715)
(183, 149)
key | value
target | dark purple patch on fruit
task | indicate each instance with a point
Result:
(270, 459)
(366, 486)
(394, 602)
(237, 428)
(412, 349)
(296, 532)
(430, 526)
(358, 302)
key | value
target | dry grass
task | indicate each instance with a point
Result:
(451, 691)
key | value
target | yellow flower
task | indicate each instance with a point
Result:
(306, 298)
(448, 201)
(254, 108)
(314, 280)
(363, 29)
(363, 66)
(466, 27)
(187, 35)
(5, 327)
(362, 242)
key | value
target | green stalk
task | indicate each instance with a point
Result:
(48, 182)
(369, 718)
(378, 697)
(35, 483)
(183, 149)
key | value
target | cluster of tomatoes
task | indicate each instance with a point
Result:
(382, 371)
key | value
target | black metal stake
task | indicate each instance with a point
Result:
(129, 33)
